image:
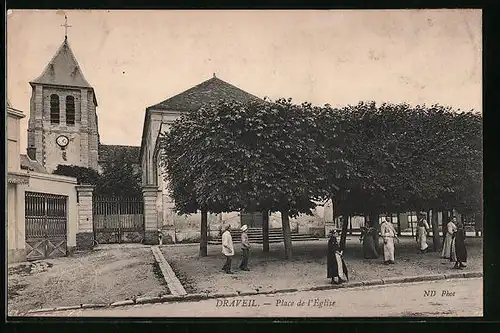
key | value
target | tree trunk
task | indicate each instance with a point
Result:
(287, 235)
(343, 234)
(436, 242)
(478, 220)
(204, 235)
(265, 231)
(399, 224)
(374, 222)
(349, 218)
(444, 222)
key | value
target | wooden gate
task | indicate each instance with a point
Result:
(46, 219)
(118, 220)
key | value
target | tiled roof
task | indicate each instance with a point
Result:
(31, 165)
(210, 91)
(108, 151)
(63, 69)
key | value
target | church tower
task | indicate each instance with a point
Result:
(62, 127)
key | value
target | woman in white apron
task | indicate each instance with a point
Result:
(422, 228)
(388, 234)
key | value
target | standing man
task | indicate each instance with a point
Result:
(245, 248)
(227, 249)
(388, 234)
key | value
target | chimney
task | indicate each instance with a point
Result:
(32, 153)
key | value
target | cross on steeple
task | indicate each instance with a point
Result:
(66, 26)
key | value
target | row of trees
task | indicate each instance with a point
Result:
(283, 157)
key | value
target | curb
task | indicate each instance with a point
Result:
(173, 283)
(204, 296)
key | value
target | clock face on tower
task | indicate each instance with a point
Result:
(62, 141)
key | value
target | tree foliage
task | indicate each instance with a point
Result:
(83, 175)
(400, 158)
(120, 176)
(280, 156)
(233, 156)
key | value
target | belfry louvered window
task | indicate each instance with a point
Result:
(70, 110)
(54, 109)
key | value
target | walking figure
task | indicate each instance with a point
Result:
(388, 234)
(422, 229)
(336, 267)
(245, 248)
(458, 250)
(451, 228)
(227, 249)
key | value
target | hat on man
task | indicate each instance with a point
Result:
(244, 228)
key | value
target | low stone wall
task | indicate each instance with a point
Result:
(151, 237)
(84, 240)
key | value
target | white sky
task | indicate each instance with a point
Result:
(135, 59)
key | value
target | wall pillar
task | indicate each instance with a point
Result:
(85, 233)
(150, 193)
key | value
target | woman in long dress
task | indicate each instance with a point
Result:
(368, 239)
(458, 250)
(451, 228)
(336, 267)
(422, 228)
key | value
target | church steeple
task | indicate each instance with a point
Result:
(62, 128)
(63, 69)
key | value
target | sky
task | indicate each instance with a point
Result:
(135, 59)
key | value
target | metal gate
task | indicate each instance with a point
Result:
(251, 219)
(118, 220)
(46, 219)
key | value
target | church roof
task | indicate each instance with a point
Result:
(107, 152)
(31, 165)
(63, 69)
(209, 91)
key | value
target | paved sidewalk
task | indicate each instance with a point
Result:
(453, 298)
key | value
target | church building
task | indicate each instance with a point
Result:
(63, 124)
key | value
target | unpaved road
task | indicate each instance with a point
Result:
(460, 297)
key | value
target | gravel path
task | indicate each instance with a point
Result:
(307, 268)
(101, 276)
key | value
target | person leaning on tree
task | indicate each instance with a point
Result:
(451, 228)
(227, 249)
(388, 233)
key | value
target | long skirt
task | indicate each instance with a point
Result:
(446, 253)
(389, 249)
(369, 250)
(337, 268)
(453, 253)
(422, 238)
